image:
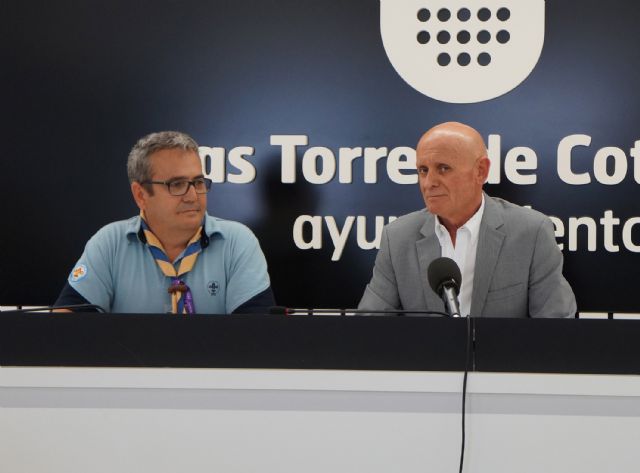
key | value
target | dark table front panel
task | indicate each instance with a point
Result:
(237, 341)
(557, 346)
(319, 342)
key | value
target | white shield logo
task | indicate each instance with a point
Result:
(463, 51)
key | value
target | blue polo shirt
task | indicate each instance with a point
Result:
(118, 272)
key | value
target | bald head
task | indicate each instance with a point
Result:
(452, 166)
(461, 138)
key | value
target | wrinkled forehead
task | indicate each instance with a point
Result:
(451, 143)
(440, 146)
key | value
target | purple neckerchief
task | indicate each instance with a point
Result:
(187, 298)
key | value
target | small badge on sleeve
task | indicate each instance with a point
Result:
(78, 273)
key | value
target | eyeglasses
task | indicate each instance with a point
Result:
(181, 186)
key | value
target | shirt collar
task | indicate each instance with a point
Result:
(472, 225)
(211, 226)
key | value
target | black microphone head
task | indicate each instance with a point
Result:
(441, 270)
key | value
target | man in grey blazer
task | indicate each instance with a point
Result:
(511, 265)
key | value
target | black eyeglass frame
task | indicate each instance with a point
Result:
(190, 182)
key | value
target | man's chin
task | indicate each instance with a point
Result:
(194, 217)
(433, 207)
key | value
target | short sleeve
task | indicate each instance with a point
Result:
(91, 275)
(247, 273)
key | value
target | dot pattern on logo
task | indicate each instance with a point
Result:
(464, 59)
(484, 37)
(464, 14)
(444, 59)
(483, 18)
(463, 37)
(444, 14)
(484, 59)
(444, 37)
(503, 36)
(424, 15)
(503, 14)
(484, 14)
(424, 37)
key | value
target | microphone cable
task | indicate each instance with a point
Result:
(464, 390)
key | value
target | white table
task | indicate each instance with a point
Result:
(232, 420)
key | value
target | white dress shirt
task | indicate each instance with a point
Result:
(463, 253)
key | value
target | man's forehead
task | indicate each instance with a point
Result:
(173, 153)
(175, 160)
(456, 138)
(435, 152)
(446, 148)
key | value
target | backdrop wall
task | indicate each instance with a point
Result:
(277, 91)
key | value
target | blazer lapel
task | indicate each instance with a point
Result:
(490, 241)
(428, 249)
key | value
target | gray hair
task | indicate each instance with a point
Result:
(139, 164)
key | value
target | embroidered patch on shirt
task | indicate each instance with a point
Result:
(78, 273)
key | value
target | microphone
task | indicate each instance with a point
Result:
(282, 310)
(50, 309)
(444, 278)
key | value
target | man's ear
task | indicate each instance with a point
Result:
(140, 195)
(483, 166)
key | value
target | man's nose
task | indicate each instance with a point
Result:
(431, 180)
(191, 194)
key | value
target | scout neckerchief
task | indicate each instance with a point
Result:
(181, 297)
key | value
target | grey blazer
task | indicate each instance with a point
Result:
(518, 266)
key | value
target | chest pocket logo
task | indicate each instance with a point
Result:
(213, 287)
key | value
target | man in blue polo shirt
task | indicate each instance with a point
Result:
(173, 257)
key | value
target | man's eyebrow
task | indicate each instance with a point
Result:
(436, 164)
